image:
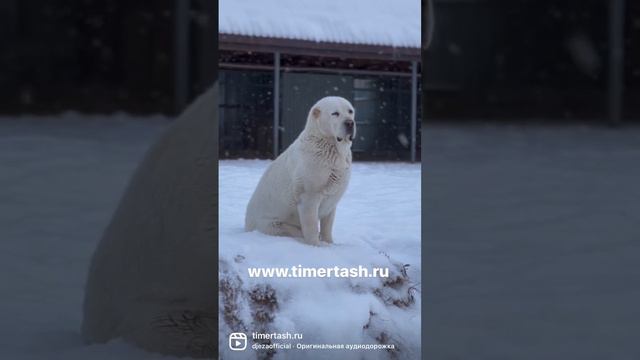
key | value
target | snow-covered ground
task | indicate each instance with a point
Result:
(532, 242)
(377, 225)
(60, 180)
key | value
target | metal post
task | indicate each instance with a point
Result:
(276, 103)
(414, 107)
(182, 54)
(616, 60)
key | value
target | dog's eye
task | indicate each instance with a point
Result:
(350, 111)
(336, 114)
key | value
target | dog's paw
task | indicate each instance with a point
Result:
(318, 243)
(328, 239)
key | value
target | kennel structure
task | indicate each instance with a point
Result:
(273, 68)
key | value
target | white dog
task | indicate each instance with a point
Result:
(150, 281)
(304, 184)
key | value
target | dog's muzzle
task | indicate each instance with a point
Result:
(350, 126)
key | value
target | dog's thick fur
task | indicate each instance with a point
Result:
(304, 184)
(151, 279)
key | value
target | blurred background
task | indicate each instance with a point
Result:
(85, 87)
(554, 61)
(102, 56)
(531, 147)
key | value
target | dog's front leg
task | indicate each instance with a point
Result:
(326, 226)
(308, 212)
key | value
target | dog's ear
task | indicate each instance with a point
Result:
(315, 112)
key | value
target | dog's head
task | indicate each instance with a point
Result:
(334, 117)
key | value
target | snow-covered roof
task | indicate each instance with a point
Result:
(368, 22)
